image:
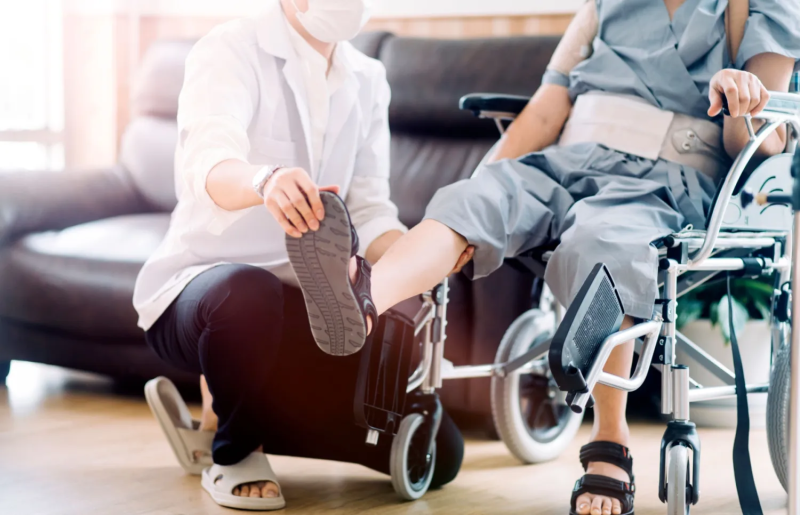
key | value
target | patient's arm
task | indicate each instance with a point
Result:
(540, 124)
(775, 72)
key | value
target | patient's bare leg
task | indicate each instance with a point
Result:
(609, 426)
(415, 263)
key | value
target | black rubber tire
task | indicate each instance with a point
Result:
(780, 383)
(406, 488)
(5, 369)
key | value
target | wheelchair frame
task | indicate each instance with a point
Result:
(699, 252)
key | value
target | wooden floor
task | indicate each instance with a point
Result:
(70, 445)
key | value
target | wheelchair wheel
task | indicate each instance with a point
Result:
(529, 411)
(410, 464)
(679, 490)
(780, 383)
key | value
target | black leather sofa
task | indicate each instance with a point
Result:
(72, 242)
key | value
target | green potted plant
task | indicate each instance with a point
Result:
(704, 317)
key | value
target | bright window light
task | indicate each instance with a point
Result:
(31, 85)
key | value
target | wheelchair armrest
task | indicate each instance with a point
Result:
(494, 105)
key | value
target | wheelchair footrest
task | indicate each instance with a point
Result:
(595, 314)
(386, 359)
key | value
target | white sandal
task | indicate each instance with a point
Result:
(220, 481)
(181, 430)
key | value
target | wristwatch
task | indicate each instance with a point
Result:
(265, 174)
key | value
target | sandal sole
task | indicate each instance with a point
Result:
(321, 261)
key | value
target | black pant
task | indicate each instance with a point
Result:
(272, 386)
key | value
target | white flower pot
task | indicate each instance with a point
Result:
(754, 345)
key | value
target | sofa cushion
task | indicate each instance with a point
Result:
(147, 152)
(160, 79)
(422, 165)
(429, 76)
(80, 280)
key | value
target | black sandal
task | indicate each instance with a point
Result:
(337, 309)
(615, 454)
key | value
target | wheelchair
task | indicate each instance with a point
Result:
(543, 374)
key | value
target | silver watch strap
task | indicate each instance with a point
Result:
(259, 188)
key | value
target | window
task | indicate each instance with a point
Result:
(31, 85)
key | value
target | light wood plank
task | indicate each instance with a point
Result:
(69, 445)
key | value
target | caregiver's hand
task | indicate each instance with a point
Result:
(744, 91)
(293, 199)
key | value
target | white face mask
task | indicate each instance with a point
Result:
(332, 21)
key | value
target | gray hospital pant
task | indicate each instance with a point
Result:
(602, 205)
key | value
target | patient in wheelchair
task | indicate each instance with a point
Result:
(619, 147)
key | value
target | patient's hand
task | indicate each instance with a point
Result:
(744, 91)
(465, 258)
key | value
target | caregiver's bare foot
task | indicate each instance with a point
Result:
(353, 271)
(262, 489)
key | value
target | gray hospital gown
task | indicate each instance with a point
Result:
(603, 205)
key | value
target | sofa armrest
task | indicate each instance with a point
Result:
(42, 201)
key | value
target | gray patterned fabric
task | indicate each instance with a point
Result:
(639, 51)
(603, 205)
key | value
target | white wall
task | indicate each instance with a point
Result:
(383, 8)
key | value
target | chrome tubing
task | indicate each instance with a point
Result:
(666, 389)
(536, 367)
(710, 393)
(729, 184)
(721, 265)
(680, 393)
(440, 328)
(596, 375)
(706, 360)
(420, 375)
(425, 315)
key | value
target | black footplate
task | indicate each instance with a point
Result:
(386, 360)
(595, 314)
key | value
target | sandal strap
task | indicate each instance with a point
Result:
(356, 245)
(253, 469)
(363, 290)
(608, 487)
(607, 452)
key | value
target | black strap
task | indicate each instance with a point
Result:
(742, 468)
(607, 452)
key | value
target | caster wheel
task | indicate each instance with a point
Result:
(410, 463)
(530, 413)
(679, 490)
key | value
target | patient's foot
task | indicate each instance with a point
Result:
(338, 307)
(591, 504)
(353, 278)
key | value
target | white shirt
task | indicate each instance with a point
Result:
(245, 97)
(320, 87)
